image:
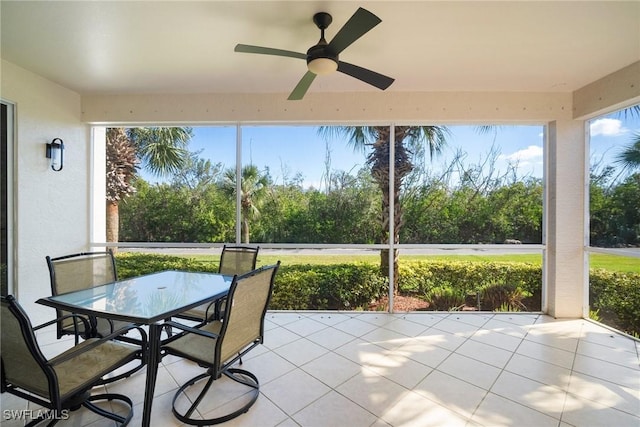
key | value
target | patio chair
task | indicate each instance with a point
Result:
(81, 271)
(233, 260)
(219, 344)
(63, 383)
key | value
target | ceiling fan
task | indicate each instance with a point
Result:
(323, 57)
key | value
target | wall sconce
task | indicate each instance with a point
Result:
(55, 152)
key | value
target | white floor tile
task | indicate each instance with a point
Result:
(614, 354)
(450, 392)
(333, 409)
(485, 353)
(612, 395)
(470, 370)
(496, 411)
(582, 412)
(405, 327)
(301, 351)
(330, 338)
(373, 392)
(332, 369)
(423, 351)
(381, 370)
(294, 391)
(497, 339)
(355, 327)
(305, 326)
(611, 372)
(546, 353)
(404, 371)
(539, 371)
(413, 409)
(532, 394)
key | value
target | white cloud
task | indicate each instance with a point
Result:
(531, 153)
(607, 127)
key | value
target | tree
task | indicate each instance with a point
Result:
(629, 158)
(410, 142)
(253, 188)
(160, 150)
(122, 164)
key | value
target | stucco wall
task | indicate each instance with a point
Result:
(52, 207)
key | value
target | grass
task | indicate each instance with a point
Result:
(607, 262)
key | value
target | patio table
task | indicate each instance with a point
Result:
(146, 300)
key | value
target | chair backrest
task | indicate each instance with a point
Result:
(23, 364)
(247, 304)
(79, 271)
(238, 259)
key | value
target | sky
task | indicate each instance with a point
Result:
(291, 150)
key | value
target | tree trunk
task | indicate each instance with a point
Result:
(379, 161)
(113, 223)
(245, 230)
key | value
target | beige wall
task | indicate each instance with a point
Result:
(52, 207)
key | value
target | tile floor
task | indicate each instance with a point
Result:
(414, 369)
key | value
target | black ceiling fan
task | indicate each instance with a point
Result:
(323, 57)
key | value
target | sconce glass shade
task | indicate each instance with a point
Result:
(322, 66)
(55, 152)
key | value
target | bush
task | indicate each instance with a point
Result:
(132, 264)
(327, 287)
(616, 298)
(502, 286)
(445, 298)
(420, 277)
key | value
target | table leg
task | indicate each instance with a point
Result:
(152, 371)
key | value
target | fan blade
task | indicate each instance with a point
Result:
(301, 88)
(359, 23)
(374, 79)
(268, 51)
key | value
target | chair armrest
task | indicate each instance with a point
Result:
(95, 342)
(85, 322)
(191, 329)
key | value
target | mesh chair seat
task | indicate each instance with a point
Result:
(219, 344)
(64, 381)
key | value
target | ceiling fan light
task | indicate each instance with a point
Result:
(322, 66)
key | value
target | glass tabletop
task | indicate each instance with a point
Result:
(145, 299)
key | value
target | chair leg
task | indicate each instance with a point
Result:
(122, 420)
(238, 375)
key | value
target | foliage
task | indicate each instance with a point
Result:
(328, 287)
(445, 298)
(471, 277)
(503, 297)
(162, 150)
(254, 186)
(502, 286)
(134, 264)
(616, 298)
(165, 213)
(434, 214)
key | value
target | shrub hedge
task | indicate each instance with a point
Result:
(616, 298)
(501, 285)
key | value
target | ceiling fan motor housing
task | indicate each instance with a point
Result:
(322, 50)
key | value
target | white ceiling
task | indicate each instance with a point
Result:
(187, 47)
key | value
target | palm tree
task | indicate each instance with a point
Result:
(629, 158)
(253, 188)
(160, 150)
(409, 141)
